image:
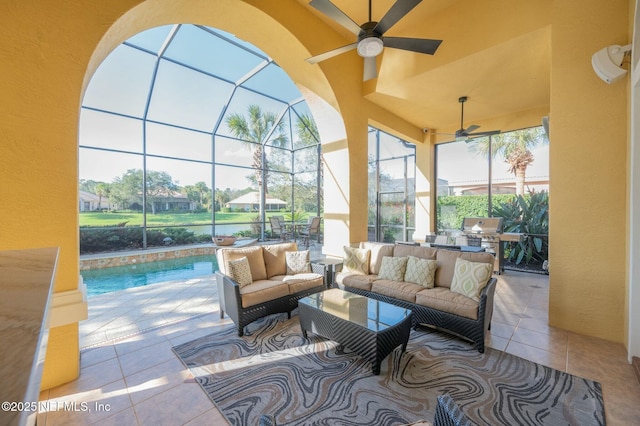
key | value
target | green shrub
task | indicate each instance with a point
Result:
(452, 209)
(99, 240)
(529, 215)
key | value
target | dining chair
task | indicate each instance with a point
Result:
(278, 228)
(313, 227)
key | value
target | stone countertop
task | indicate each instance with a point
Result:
(26, 281)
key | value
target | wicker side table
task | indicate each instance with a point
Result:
(327, 267)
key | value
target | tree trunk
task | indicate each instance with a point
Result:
(520, 175)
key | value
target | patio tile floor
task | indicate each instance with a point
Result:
(128, 367)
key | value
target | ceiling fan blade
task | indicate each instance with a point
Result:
(487, 133)
(471, 128)
(370, 68)
(331, 53)
(471, 136)
(332, 11)
(420, 45)
(393, 15)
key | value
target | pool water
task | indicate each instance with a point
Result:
(106, 280)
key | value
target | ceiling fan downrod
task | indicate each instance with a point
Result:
(462, 100)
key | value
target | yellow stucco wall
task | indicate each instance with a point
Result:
(40, 82)
(588, 164)
(48, 55)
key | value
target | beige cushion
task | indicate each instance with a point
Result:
(403, 250)
(392, 268)
(274, 258)
(378, 251)
(445, 300)
(301, 282)
(297, 262)
(253, 254)
(421, 271)
(470, 278)
(348, 279)
(240, 272)
(447, 262)
(263, 291)
(356, 260)
(397, 289)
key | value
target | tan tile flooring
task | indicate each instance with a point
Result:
(130, 376)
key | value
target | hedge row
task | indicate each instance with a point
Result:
(97, 240)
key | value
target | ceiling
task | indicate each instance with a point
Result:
(496, 52)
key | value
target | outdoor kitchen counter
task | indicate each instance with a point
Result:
(26, 278)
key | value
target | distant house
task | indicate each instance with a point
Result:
(251, 202)
(498, 186)
(90, 202)
(171, 201)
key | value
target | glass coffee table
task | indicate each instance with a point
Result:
(369, 327)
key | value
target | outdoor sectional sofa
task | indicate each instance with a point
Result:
(257, 281)
(439, 306)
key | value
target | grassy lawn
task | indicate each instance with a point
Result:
(168, 219)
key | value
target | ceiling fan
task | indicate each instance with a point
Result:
(466, 134)
(370, 34)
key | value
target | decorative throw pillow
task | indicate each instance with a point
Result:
(469, 278)
(392, 268)
(421, 271)
(356, 260)
(240, 272)
(297, 262)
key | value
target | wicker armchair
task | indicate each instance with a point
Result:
(449, 414)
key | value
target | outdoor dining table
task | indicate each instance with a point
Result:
(295, 227)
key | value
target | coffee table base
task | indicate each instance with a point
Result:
(374, 346)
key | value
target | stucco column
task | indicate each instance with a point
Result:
(345, 187)
(426, 191)
(588, 167)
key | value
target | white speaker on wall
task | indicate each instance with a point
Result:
(606, 62)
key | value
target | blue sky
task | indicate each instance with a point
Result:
(202, 75)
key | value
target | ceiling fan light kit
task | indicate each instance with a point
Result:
(370, 34)
(370, 47)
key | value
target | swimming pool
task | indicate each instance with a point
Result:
(106, 280)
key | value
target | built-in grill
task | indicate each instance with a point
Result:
(489, 231)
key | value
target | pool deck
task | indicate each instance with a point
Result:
(124, 313)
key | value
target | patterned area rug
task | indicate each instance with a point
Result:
(274, 370)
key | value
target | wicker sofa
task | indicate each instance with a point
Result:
(438, 306)
(269, 290)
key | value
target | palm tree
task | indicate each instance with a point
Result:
(255, 130)
(102, 190)
(222, 198)
(307, 131)
(515, 147)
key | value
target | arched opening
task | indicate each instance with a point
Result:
(187, 132)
